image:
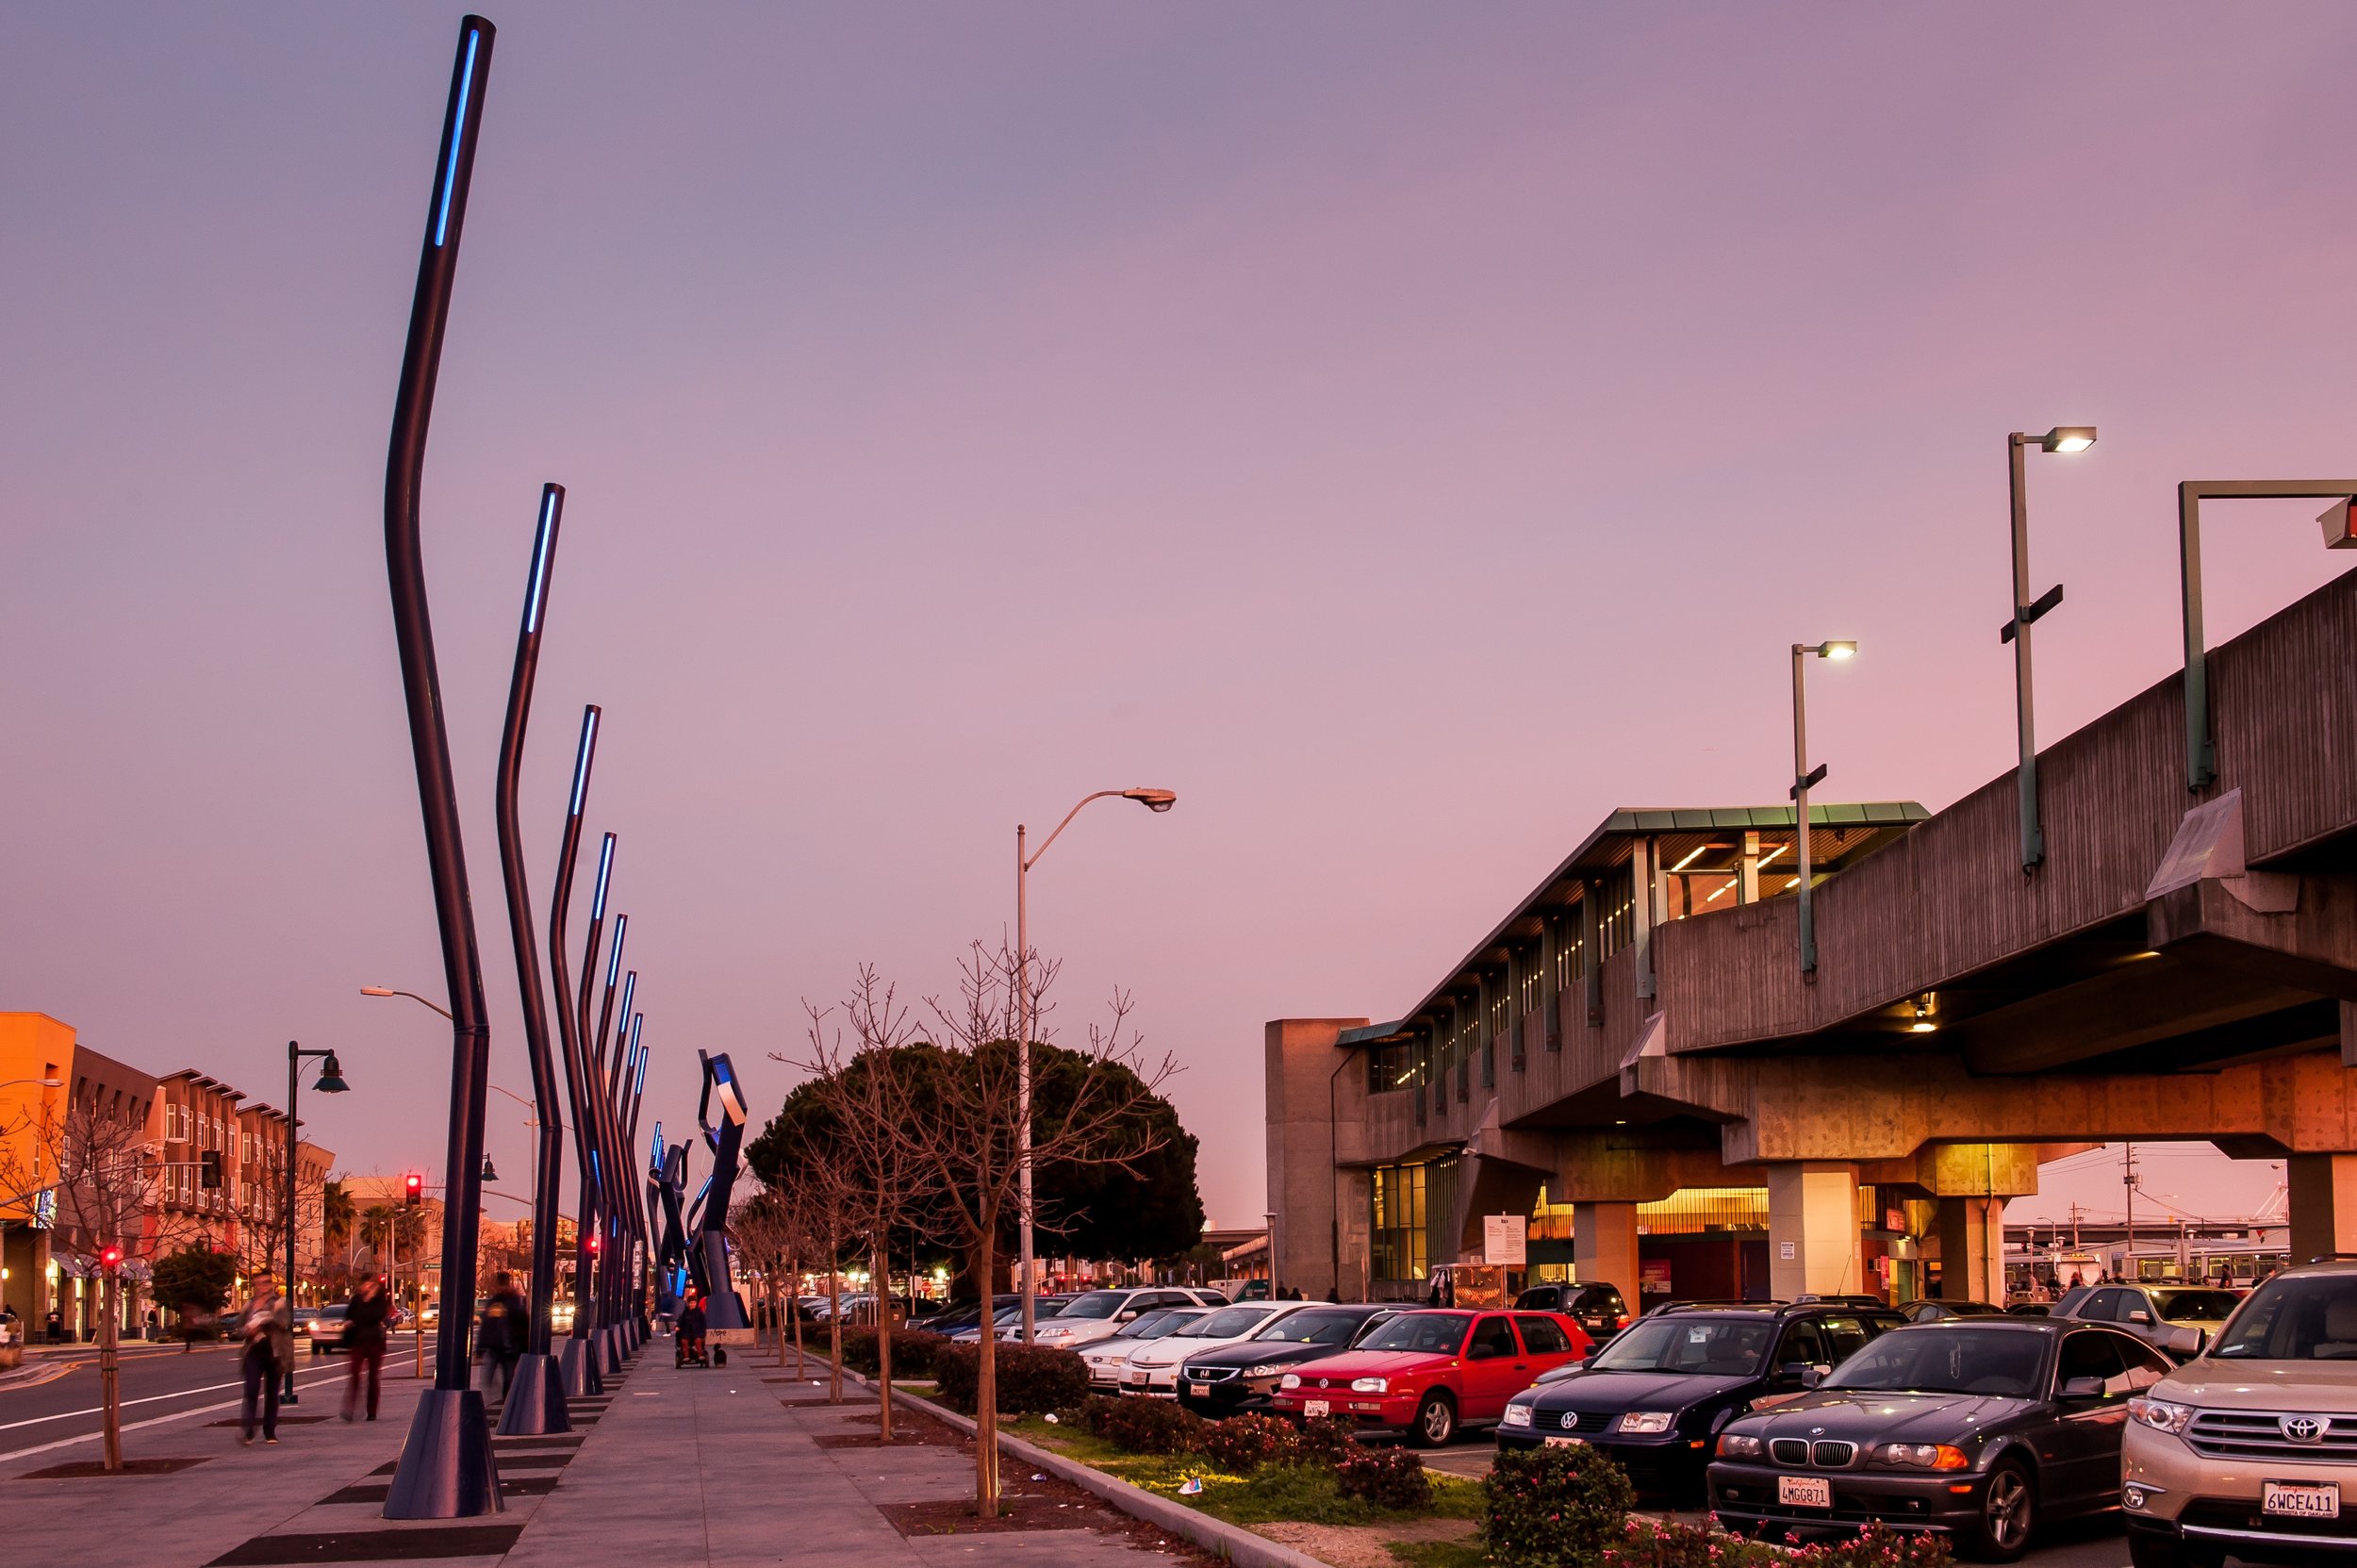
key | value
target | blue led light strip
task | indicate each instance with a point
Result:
(540, 562)
(614, 964)
(581, 763)
(605, 871)
(642, 1084)
(457, 133)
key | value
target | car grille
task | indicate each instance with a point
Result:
(1825, 1454)
(2260, 1434)
(1583, 1421)
(1211, 1373)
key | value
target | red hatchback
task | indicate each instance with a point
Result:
(1428, 1373)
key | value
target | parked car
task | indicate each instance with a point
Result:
(1432, 1371)
(1976, 1427)
(1108, 1360)
(326, 1329)
(2151, 1312)
(1043, 1309)
(1243, 1376)
(1660, 1393)
(2250, 1447)
(1152, 1368)
(1095, 1315)
(1599, 1308)
(1934, 1310)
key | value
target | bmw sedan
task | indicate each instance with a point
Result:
(1979, 1429)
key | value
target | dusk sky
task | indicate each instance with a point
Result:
(1408, 432)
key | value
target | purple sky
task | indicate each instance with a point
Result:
(1409, 433)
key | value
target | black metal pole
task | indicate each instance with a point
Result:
(535, 1395)
(295, 1061)
(593, 1052)
(580, 1373)
(446, 1468)
(618, 1269)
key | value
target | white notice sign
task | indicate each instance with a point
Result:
(1504, 1239)
(1787, 1252)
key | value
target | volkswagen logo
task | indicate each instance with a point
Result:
(2304, 1428)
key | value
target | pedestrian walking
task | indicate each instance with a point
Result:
(506, 1323)
(266, 1325)
(364, 1342)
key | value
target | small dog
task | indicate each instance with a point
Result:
(719, 1355)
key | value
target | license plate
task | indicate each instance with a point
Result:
(1803, 1491)
(2300, 1501)
(1315, 1408)
(1200, 1387)
(1558, 1442)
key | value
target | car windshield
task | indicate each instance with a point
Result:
(1434, 1333)
(1711, 1346)
(2196, 1306)
(1313, 1329)
(338, 1311)
(1227, 1322)
(1155, 1325)
(1098, 1304)
(2008, 1362)
(2309, 1319)
(1045, 1309)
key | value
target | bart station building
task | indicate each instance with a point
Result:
(1634, 1060)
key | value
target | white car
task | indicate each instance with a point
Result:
(1108, 1359)
(1098, 1314)
(1153, 1367)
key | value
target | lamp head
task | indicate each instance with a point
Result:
(2335, 520)
(1837, 651)
(489, 1172)
(330, 1077)
(1152, 800)
(376, 991)
(2068, 438)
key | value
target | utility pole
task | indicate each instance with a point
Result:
(2128, 1179)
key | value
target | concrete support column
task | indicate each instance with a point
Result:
(1603, 1247)
(1813, 1230)
(1973, 1249)
(2323, 1192)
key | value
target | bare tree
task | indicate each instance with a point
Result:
(951, 1108)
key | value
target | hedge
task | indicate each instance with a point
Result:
(1032, 1379)
(1550, 1506)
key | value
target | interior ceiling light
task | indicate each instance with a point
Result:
(1774, 853)
(1922, 1024)
(1693, 855)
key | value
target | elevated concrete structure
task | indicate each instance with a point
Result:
(2182, 965)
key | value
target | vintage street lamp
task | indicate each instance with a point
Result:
(331, 1082)
(2066, 439)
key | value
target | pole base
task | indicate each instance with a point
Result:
(446, 1469)
(577, 1370)
(610, 1349)
(535, 1399)
(726, 1310)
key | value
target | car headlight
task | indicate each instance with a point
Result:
(1735, 1445)
(1923, 1456)
(2160, 1414)
(1516, 1415)
(1290, 1380)
(1262, 1371)
(1370, 1385)
(1648, 1421)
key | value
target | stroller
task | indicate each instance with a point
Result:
(687, 1337)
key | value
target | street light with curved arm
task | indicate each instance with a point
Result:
(382, 991)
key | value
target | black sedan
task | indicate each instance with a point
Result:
(1243, 1375)
(1978, 1428)
(1655, 1397)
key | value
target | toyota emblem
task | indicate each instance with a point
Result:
(2304, 1428)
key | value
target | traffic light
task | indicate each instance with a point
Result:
(412, 1185)
(211, 1173)
(593, 1244)
(111, 1257)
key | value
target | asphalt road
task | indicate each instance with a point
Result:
(159, 1382)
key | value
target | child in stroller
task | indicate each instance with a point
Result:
(687, 1337)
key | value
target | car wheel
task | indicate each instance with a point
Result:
(2009, 1513)
(1434, 1421)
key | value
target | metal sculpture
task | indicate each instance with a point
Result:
(723, 1309)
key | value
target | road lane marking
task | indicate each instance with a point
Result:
(148, 1400)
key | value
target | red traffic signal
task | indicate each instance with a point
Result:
(593, 1243)
(111, 1256)
(414, 1185)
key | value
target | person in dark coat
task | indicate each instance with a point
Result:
(689, 1339)
(266, 1329)
(364, 1341)
(506, 1328)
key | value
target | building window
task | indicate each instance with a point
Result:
(1397, 1194)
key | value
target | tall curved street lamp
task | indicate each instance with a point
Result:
(2063, 438)
(1152, 800)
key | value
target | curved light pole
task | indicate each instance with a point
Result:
(1802, 776)
(1154, 800)
(2066, 439)
(577, 1368)
(446, 1469)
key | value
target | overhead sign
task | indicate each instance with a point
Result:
(1504, 1239)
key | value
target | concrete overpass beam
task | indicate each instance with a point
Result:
(1813, 1230)
(1603, 1247)
(2323, 1192)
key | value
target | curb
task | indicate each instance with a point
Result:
(1232, 1541)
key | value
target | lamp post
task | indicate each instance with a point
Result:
(1802, 776)
(2200, 754)
(1152, 800)
(577, 1368)
(2067, 438)
(331, 1082)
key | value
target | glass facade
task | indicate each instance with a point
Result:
(1410, 1205)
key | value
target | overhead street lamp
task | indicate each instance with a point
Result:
(41, 1082)
(381, 991)
(331, 1082)
(2201, 753)
(2065, 439)
(1152, 800)
(1802, 776)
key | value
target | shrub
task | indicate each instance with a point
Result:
(912, 1352)
(1388, 1478)
(1650, 1545)
(1148, 1426)
(1031, 1379)
(1546, 1506)
(1242, 1443)
(1329, 1439)
(1878, 1546)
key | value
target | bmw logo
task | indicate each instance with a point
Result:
(2304, 1428)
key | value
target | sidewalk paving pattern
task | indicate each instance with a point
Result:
(735, 1466)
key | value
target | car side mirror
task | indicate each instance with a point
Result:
(1797, 1372)
(2183, 1342)
(1126, 1317)
(2082, 1388)
(2143, 1317)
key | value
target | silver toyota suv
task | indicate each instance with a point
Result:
(2249, 1449)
